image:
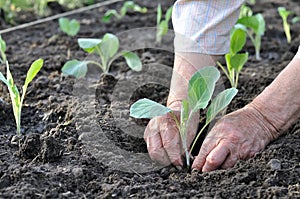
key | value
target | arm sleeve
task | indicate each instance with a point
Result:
(203, 26)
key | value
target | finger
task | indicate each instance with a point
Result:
(229, 162)
(206, 148)
(154, 144)
(216, 158)
(171, 142)
(156, 150)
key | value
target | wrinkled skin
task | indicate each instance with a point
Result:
(239, 135)
(163, 138)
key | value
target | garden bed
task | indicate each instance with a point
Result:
(78, 141)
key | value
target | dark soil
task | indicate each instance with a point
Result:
(79, 142)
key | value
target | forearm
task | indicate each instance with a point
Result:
(279, 103)
(185, 65)
(202, 32)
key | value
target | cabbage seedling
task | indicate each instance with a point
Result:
(200, 91)
(162, 25)
(286, 26)
(16, 100)
(70, 27)
(245, 11)
(251, 2)
(235, 61)
(107, 49)
(295, 19)
(256, 28)
(2, 50)
(128, 5)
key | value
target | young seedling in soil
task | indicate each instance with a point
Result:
(255, 28)
(11, 7)
(16, 100)
(107, 49)
(41, 7)
(2, 50)
(8, 9)
(200, 91)
(251, 2)
(284, 13)
(234, 60)
(295, 19)
(162, 25)
(128, 5)
(245, 11)
(70, 27)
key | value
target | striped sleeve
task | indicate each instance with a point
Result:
(203, 26)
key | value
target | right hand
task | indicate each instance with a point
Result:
(163, 137)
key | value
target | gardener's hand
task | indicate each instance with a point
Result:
(163, 138)
(239, 135)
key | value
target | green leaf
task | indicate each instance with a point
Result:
(237, 61)
(109, 14)
(159, 14)
(237, 40)
(64, 24)
(262, 24)
(245, 11)
(127, 5)
(75, 68)
(222, 100)
(201, 87)
(13, 90)
(88, 45)
(163, 28)
(228, 62)
(2, 45)
(2, 78)
(250, 22)
(33, 70)
(9, 76)
(295, 19)
(133, 61)
(109, 45)
(136, 8)
(140, 9)
(283, 12)
(71, 28)
(145, 108)
(184, 115)
(256, 23)
(169, 14)
(130, 5)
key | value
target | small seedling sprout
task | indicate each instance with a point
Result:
(16, 100)
(255, 29)
(128, 5)
(235, 61)
(295, 19)
(2, 50)
(162, 25)
(286, 26)
(70, 27)
(107, 49)
(246, 11)
(200, 91)
(251, 2)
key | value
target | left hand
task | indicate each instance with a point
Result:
(239, 135)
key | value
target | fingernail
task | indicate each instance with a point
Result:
(179, 168)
